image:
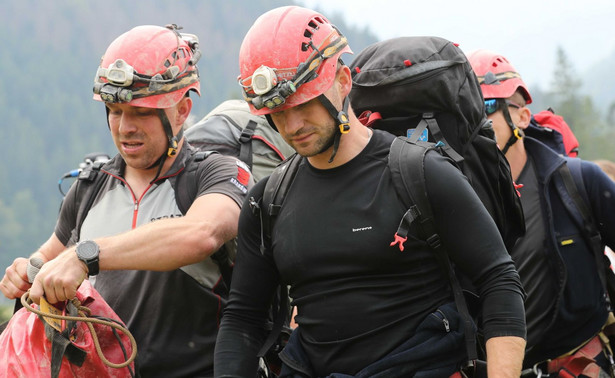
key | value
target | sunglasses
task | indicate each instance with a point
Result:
(492, 105)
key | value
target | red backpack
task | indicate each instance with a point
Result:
(548, 119)
(32, 347)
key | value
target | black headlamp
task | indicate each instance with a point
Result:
(112, 94)
(276, 97)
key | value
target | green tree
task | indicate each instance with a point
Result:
(589, 126)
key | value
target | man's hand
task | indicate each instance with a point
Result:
(59, 279)
(15, 281)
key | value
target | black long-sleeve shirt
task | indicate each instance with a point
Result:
(357, 296)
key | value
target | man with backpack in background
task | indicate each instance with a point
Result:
(364, 306)
(144, 245)
(569, 207)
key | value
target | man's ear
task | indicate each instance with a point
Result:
(344, 80)
(525, 116)
(184, 107)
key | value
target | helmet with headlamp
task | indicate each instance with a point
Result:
(288, 57)
(149, 66)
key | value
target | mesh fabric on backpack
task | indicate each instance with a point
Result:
(231, 129)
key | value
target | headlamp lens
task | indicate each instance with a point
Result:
(116, 76)
(263, 80)
(119, 73)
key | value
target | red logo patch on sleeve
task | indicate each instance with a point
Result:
(243, 176)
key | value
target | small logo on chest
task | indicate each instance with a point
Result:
(362, 229)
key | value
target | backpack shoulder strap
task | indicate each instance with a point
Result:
(187, 181)
(274, 194)
(406, 163)
(579, 207)
(275, 191)
(89, 182)
(245, 143)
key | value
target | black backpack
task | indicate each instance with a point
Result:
(424, 88)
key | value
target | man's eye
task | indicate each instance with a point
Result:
(145, 113)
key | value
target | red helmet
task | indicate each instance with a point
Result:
(149, 66)
(496, 76)
(288, 57)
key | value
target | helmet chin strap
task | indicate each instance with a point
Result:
(173, 142)
(517, 133)
(341, 116)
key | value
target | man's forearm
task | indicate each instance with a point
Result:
(168, 244)
(505, 356)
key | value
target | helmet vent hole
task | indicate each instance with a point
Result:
(167, 64)
(307, 34)
(304, 46)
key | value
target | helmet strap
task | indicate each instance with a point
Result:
(172, 142)
(517, 133)
(341, 116)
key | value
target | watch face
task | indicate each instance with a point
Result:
(87, 250)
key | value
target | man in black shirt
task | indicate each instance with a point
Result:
(362, 303)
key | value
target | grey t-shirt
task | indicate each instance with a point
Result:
(173, 315)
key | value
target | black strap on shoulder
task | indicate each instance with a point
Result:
(429, 121)
(281, 312)
(277, 186)
(91, 181)
(406, 159)
(187, 181)
(571, 175)
(245, 140)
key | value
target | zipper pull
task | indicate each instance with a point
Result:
(447, 325)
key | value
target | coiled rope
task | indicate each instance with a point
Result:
(84, 316)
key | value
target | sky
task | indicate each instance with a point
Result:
(527, 32)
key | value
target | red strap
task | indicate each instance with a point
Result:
(581, 362)
(368, 117)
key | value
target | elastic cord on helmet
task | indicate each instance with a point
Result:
(517, 133)
(341, 116)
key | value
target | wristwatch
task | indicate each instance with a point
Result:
(87, 251)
